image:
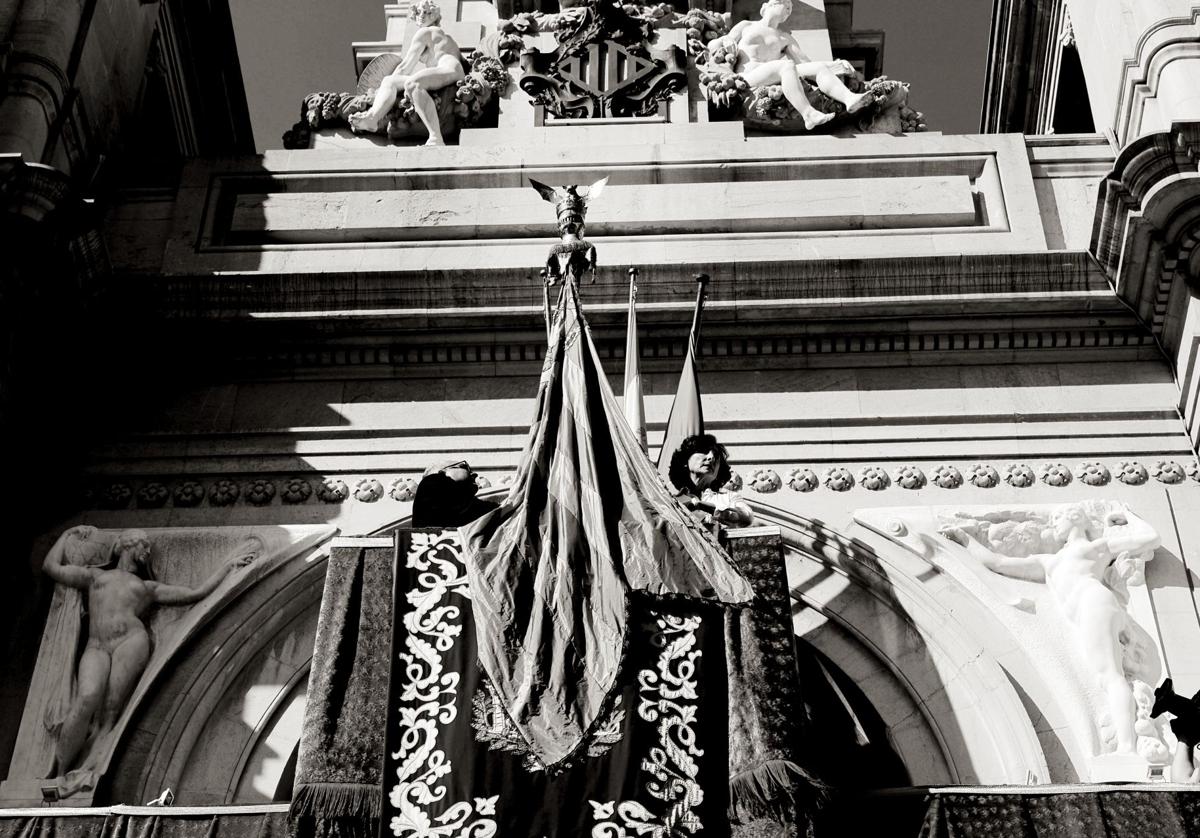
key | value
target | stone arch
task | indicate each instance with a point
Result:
(222, 725)
(954, 715)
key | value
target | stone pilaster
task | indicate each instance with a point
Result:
(1146, 233)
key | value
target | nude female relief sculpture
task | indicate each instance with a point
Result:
(433, 61)
(118, 593)
(1088, 574)
(764, 53)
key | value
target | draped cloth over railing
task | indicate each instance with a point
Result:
(1082, 811)
(265, 821)
(341, 742)
(588, 521)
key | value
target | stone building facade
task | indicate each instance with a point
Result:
(905, 333)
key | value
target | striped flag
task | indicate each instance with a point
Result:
(587, 521)
(635, 411)
(687, 415)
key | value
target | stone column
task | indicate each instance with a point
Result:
(1142, 63)
(43, 40)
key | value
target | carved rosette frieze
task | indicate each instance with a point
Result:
(838, 479)
(152, 495)
(368, 490)
(1132, 474)
(188, 493)
(947, 477)
(260, 492)
(802, 480)
(1054, 474)
(764, 481)
(1093, 474)
(333, 490)
(1019, 475)
(983, 476)
(403, 489)
(1167, 471)
(874, 478)
(296, 490)
(910, 477)
(224, 493)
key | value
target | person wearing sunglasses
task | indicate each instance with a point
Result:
(446, 496)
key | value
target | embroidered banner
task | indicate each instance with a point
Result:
(452, 767)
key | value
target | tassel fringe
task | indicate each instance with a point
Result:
(336, 800)
(778, 789)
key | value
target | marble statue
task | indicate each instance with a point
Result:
(764, 53)
(1087, 564)
(433, 61)
(119, 590)
(574, 255)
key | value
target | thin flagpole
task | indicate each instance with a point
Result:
(701, 296)
(687, 413)
(635, 413)
(546, 302)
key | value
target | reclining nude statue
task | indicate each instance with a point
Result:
(433, 61)
(764, 53)
(1088, 575)
(118, 589)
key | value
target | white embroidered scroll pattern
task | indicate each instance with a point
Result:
(428, 698)
(668, 696)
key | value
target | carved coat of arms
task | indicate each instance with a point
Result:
(603, 66)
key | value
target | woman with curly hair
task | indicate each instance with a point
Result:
(699, 470)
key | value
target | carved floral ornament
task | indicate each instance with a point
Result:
(291, 491)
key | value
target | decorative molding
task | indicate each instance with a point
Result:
(1085, 337)
(191, 492)
(1170, 40)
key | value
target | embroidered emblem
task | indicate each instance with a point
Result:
(494, 729)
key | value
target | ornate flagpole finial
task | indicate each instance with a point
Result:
(573, 256)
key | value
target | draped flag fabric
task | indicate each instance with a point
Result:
(687, 417)
(635, 411)
(588, 521)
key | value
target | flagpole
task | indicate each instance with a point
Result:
(701, 296)
(635, 412)
(686, 416)
(546, 302)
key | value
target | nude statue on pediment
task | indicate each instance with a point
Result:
(433, 61)
(764, 53)
(1091, 563)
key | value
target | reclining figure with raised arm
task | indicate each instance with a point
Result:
(768, 54)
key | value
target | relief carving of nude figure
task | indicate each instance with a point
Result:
(118, 595)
